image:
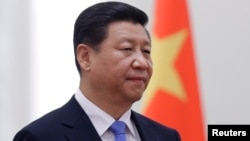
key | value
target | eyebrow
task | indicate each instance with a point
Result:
(131, 40)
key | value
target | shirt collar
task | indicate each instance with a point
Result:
(99, 118)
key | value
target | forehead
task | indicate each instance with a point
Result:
(127, 30)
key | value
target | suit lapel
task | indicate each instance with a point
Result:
(77, 125)
(143, 127)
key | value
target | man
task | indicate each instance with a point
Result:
(112, 54)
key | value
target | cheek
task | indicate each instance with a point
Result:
(116, 63)
(120, 67)
(150, 68)
(119, 70)
(120, 60)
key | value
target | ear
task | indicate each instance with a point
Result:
(83, 56)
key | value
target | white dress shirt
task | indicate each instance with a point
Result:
(102, 120)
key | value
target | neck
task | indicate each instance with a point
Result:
(114, 107)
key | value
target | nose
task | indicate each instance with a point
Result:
(140, 61)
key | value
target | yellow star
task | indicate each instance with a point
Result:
(165, 51)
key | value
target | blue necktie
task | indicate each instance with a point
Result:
(118, 128)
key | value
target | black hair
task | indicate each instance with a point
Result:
(91, 25)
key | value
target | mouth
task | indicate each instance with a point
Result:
(137, 79)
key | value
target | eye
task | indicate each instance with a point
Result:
(127, 49)
(147, 51)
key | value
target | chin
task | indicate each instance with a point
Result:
(135, 97)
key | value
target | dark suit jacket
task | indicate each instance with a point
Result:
(71, 123)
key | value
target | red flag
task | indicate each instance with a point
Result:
(172, 97)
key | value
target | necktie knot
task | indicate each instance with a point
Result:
(118, 128)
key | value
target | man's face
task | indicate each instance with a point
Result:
(122, 68)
